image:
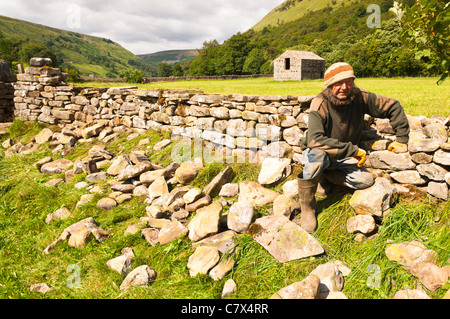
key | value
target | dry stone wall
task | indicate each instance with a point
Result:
(247, 126)
(6, 92)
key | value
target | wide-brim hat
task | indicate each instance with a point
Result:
(337, 72)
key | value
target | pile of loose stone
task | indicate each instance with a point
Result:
(175, 210)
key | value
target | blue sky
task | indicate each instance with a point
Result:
(145, 26)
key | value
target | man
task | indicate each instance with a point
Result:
(330, 146)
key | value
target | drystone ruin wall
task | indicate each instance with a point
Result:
(6, 92)
(244, 126)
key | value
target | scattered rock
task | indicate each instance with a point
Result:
(331, 279)
(56, 167)
(284, 239)
(240, 216)
(186, 173)
(122, 264)
(205, 222)
(374, 200)
(214, 187)
(229, 190)
(202, 260)
(308, 288)
(59, 214)
(255, 194)
(285, 205)
(107, 203)
(41, 287)
(160, 145)
(361, 223)
(224, 266)
(411, 294)
(171, 231)
(140, 276)
(229, 288)
(273, 170)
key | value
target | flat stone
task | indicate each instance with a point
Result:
(240, 216)
(274, 170)
(224, 177)
(122, 263)
(308, 288)
(202, 260)
(391, 160)
(205, 222)
(361, 224)
(255, 194)
(140, 276)
(171, 231)
(284, 239)
(374, 200)
(56, 167)
(106, 203)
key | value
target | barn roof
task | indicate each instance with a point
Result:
(301, 55)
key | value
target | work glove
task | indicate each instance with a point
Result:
(361, 157)
(397, 147)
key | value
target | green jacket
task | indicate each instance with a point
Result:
(337, 129)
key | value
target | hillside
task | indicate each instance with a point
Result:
(352, 32)
(301, 23)
(84, 53)
(170, 56)
(291, 10)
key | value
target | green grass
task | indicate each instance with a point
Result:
(275, 17)
(418, 96)
(24, 204)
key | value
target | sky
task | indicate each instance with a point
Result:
(145, 26)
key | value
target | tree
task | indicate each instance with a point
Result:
(177, 70)
(232, 55)
(164, 69)
(133, 76)
(425, 27)
(254, 61)
(30, 50)
(204, 63)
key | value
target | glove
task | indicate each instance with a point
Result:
(397, 147)
(361, 157)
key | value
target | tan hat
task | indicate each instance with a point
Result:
(337, 72)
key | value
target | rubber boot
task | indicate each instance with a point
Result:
(307, 190)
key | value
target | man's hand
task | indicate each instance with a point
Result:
(397, 147)
(361, 157)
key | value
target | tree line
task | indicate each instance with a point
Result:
(336, 34)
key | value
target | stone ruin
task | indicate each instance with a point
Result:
(6, 92)
(263, 129)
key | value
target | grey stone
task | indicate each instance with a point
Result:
(284, 239)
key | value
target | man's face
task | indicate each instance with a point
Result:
(342, 88)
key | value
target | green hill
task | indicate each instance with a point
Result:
(291, 10)
(84, 53)
(361, 32)
(170, 56)
(300, 23)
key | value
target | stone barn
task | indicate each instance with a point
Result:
(298, 65)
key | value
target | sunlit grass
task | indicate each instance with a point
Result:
(25, 202)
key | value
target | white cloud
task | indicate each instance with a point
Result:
(145, 26)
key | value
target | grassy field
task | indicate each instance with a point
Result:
(25, 203)
(419, 96)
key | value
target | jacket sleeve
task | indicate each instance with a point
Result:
(384, 107)
(316, 134)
